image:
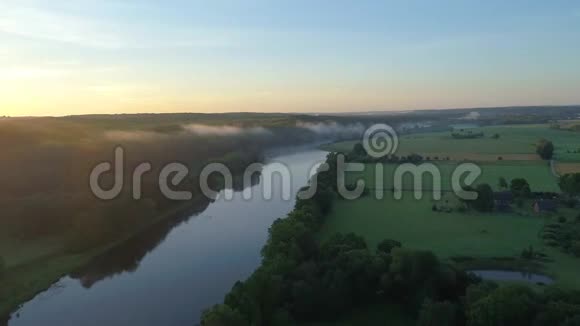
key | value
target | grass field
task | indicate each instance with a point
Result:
(478, 235)
(538, 175)
(515, 140)
(472, 234)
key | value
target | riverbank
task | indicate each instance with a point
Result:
(23, 282)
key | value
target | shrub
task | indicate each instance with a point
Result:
(562, 219)
(222, 314)
(387, 245)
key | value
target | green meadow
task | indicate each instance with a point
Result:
(513, 139)
(537, 173)
(454, 234)
(459, 233)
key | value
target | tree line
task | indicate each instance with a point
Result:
(302, 279)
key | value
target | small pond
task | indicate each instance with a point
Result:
(504, 275)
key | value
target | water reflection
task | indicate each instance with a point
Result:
(127, 256)
(504, 275)
(168, 274)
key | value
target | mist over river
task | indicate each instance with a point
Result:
(169, 274)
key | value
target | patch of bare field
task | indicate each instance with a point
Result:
(563, 168)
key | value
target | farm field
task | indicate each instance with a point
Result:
(517, 140)
(566, 167)
(480, 235)
(538, 174)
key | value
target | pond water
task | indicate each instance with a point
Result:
(503, 275)
(169, 274)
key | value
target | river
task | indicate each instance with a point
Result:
(168, 275)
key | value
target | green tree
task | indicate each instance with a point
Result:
(503, 183)
(484, 201)
(387, 245)
(511, 305)
(478, 291)
(570, 183)
(359, 150)
(222, 315)
(545, 149)
(437, 314)
(520, 188)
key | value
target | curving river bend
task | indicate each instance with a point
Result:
(169, 274)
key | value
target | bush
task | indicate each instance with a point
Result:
(562, 219)
(222, 315)
(387, 245)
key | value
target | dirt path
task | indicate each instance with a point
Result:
(553, 168)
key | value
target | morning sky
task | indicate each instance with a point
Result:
(105, 56)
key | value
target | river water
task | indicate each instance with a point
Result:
(168, 275)
(521, 276)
